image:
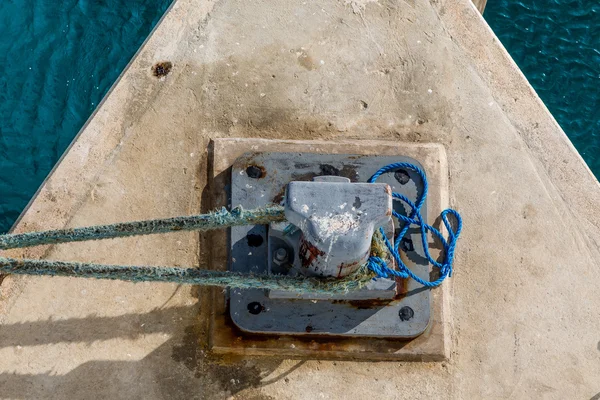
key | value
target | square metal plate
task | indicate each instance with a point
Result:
(258, 179)
(224, 338)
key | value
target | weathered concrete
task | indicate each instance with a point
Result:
(524, 311)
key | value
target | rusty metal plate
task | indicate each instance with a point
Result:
(258, 179)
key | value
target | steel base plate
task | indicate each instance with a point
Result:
(258, 179)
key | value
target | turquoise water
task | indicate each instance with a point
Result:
(57, 60)
(556, 43)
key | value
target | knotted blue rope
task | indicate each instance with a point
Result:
(380, 267)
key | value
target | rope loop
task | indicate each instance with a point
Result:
(378, 265)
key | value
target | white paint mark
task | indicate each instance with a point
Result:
(343, 206)
(429, 91)
(330, 225)
(304, 208)
(359, 5)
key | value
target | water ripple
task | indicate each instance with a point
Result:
(557, 45)
(57, 61)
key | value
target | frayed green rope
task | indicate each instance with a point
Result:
(215, 220)
(190, 276)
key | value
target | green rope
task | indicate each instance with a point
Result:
(215, 220)
(190, 276)
(204, 222)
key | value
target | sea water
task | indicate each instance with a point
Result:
(556, 43)
(57, 61)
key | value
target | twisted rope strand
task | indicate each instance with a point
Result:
(192, 276)
(380, 267)
(215, 220)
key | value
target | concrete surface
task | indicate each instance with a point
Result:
(524, 305)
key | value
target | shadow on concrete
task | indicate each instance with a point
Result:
(180, 368)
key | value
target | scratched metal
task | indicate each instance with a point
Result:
(337, 220)
(256, 312)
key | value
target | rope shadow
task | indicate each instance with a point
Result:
(180, 368)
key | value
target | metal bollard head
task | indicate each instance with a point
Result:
(337, 219)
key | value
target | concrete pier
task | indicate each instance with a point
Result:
(525, 319)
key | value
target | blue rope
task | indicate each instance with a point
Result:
(380, 267)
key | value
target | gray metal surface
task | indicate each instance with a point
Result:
(337, 220)
(261, 178)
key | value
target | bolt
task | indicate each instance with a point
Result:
(254, 240)
(255, 308)
(281, 254)
(407, 244)
(406, 313)
(402, 176)
(254, 172)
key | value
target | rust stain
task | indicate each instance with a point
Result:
(299, 177)
(263, 170)
(347, 171)
(314, 342)
(368, 304)
(279, 196)
(234, 342)
(308, 253)
(344, 267)
(401, 288)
